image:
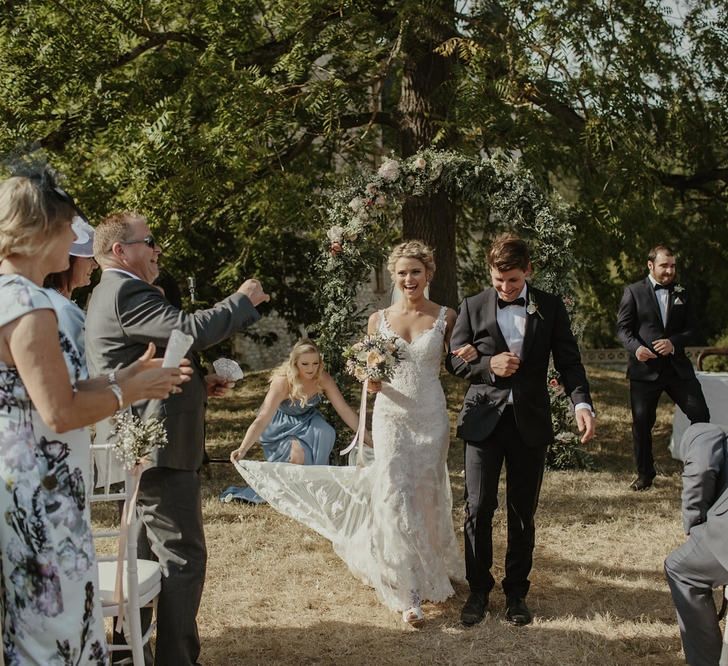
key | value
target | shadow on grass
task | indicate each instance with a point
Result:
(441, 641)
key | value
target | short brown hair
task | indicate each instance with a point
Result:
(507, 252)
(114, 228)
(30, 212)
(414, 249)
(652, 254)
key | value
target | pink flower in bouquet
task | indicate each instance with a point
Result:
(389, 171)
(420, 163)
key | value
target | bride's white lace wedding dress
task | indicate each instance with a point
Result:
(391, 521)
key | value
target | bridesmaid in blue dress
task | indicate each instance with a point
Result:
(288, 425)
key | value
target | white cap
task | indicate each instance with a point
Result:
(83, 246)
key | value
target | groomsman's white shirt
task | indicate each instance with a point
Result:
(663, 299)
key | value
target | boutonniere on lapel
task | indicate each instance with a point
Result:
(532, 307)
(678, 291)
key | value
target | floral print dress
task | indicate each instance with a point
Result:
(50, 608)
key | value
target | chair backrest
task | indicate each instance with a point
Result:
(139, 582)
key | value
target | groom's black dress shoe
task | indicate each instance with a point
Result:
(641, 483)
(474, 608)
(517, 612)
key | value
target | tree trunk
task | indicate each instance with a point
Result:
(424, 106)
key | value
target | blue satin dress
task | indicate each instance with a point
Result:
(295, 422)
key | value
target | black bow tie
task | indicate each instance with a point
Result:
(517, 301)
(659, 286)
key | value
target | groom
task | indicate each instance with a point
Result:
(501, 343)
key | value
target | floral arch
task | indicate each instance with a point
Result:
(363, 214)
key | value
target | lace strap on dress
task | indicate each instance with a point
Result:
(441, 323)
(383, 327)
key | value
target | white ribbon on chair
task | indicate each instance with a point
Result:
(126, 515)
(359, 434)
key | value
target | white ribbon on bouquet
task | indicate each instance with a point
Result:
(360, 431)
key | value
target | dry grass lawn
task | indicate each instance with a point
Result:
(277, 594)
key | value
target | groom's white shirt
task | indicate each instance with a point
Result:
(512, 323)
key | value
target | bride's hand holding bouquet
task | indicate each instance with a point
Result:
(372, 360)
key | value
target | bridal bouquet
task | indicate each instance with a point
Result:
(374, 357)
(136, 439)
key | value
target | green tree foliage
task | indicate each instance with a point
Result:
(226, 121)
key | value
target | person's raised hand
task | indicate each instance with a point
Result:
(253, 289)
(504, 364)
(147, 362)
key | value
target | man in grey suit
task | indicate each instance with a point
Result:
(125, 313)
(701, 564)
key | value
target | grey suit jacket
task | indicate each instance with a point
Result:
(705, 473)
(548, 333)
(126, 314)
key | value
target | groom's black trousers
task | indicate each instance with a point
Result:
(524, 473)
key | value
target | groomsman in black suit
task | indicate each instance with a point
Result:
(655, 323)
(501, 343)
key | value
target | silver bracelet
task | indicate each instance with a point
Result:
(116, 390)
(111, 377)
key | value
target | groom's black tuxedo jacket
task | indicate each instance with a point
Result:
(547, 333)
(639, 324)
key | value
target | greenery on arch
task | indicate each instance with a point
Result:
(363, 212)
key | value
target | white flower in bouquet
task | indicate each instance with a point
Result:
(389, 171)
(380, 201)
(420, 163)
(136, 439)
(374, 357)
(371, 189)
(356, 204)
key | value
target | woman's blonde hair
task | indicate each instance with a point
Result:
(30, 212)
(289, 370)
(414, 249)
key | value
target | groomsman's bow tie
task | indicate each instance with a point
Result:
(669, 287)
(517, 301)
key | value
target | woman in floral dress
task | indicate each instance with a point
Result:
(50, 606)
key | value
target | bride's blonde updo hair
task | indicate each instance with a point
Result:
(289, 370)
(30, 213)
(413, 249)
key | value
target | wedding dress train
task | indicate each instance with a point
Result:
(391, 521)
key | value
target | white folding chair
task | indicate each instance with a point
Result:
(142, 579)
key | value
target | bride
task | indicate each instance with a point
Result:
(390, 521)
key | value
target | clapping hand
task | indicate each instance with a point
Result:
(150, 380)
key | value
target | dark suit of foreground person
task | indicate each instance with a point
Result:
(125, 313)
(655, 323)
(701, 563)
(501, 343)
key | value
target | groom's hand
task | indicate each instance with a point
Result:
(504, 364)
(586, 423)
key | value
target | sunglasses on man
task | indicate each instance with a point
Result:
(147, 240)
